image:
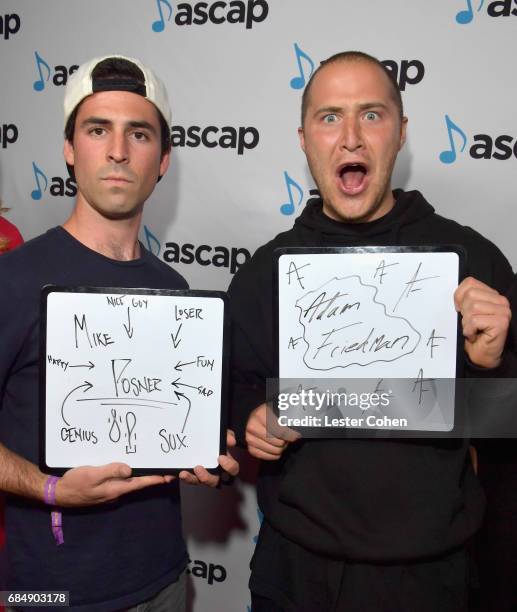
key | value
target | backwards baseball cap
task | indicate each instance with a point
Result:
(82, 83)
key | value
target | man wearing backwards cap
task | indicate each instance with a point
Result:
(117, 555)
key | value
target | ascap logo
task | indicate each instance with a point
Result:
(483, 146)
(294, 193)
(203, 255)
(410, 72)
(57, 76)
(9, 25)
(8, 134)
(240, 139)
(56, 186)
(153, 244)
(305, 67)
(501, 8)
(211, 572)
(405, 72)
(200, 13)
(260, 517)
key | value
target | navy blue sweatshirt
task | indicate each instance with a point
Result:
(115, 555)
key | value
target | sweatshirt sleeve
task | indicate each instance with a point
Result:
(252, 357)
(508, 367)
(14, 312)
(499, 275)
(492, 395)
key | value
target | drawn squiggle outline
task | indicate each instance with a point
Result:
(376, 290)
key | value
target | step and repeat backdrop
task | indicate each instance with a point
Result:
(235, 71)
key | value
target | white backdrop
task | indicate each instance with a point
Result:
(237, 72)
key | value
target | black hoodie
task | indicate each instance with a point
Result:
(365, 500)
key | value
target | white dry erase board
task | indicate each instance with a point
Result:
(385, 314)
(132, 375)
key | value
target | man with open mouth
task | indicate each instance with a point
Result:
(362, 525)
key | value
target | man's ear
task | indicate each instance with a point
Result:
(68, 152)
(302, 138)
(164, 163)
(403, 129)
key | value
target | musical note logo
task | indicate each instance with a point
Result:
(467, 15)
(289, 207)
(37, 193)
(449, 155)
(260, 517)
(159, 24)
(39, 85)
(153, 244)
(298, 82)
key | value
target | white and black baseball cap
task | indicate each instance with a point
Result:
(82, 84)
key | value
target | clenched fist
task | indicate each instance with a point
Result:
(486, 318)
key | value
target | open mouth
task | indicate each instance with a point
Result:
(352, 177)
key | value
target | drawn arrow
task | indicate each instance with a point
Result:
(175, 383)
(178, 395)
(128, 328)
(175, 340)
(89, 365)
(87, 386)
(179, 365)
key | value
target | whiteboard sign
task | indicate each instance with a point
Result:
(133, 375)
(376, 313)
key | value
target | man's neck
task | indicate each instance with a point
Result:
(116, 239)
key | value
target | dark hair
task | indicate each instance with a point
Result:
(117, 68)
(354, 56)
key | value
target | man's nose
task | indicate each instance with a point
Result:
(118, 149)
(351, 136)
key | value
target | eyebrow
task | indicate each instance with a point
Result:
(145, 125)
(363, 106)
(367, 105)
(328, 109)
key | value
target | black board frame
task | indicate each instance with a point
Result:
(136, 471)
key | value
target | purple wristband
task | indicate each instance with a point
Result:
(50, 490)
(57, 526)
(56, 519)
